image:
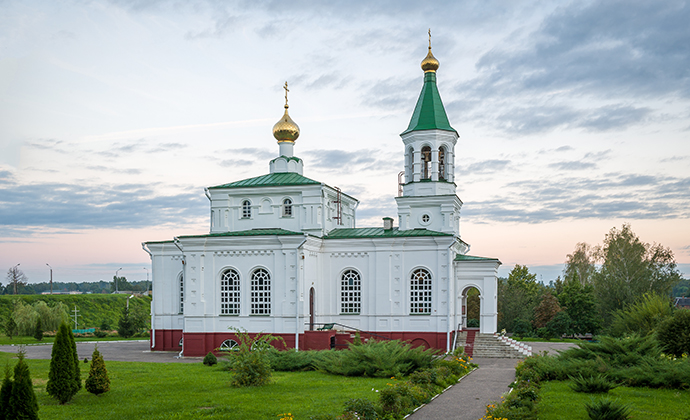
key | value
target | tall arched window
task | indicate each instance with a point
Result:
(350, 292)
(426, 162)
(180, 283)
(409, 165)
(420, 291)
(442, 162)
(287, 208)
(230, 292)
(260, 292)
(246, 209)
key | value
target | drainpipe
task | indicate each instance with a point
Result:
(297, 276)
(451, 292)
(176, 241)
(153, 327)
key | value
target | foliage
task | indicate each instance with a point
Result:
(61, 378)
(472, 323)
(521, 402)
(16, 280)
(580, 304)
(674, 333)
(642, 317)
(75, 355)
(561, 324)
(517, 297)
(23, 404)
(10, 327)
(546, 310)
(377, 359)
(594, 384)
(210, 359)
(25, 316)
(38, 331)
(579, 266)
(630, 268)
(5, 394)
(682, 288)
(249, 364)
(473, 303)
(126, 327)
(362, 407)
(522, 327)
(98, 382)
(606, 409)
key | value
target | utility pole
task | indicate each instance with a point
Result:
(51, 278)
(118, 270)
(76, 314)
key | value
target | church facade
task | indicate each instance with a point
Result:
(284, 255)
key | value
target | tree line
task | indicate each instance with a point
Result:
(599, 284)
(18, 284)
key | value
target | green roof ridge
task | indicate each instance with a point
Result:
(429, 113)
(270, 180)
(462, 257)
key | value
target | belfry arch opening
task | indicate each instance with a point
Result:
(426, 162)
(442, 163)
(471, 304)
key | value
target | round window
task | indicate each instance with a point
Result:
(425, 218)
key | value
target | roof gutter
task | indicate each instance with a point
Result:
(298, 264)
(153, 325)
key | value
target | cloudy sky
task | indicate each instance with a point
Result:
(574, 117)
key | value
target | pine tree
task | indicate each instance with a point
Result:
(38, 332)
(10, 327)
(98, 382)
(61, 379)
(77, 372)
(5, 394)
(23, 404)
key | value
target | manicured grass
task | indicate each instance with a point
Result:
(5, 341)
(558, 401)
(184, 391)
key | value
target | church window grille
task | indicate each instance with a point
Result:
(246, 209)
(426, 218)
(420, 291)
(230, 292)
(181, 285)
(426, 162)
(229, 345)
(287, 208)
(442, 163)
(350, 292)
(260, 292)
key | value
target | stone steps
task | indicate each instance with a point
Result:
(491, 346)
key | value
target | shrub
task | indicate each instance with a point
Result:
(561, 324)
(545, 333)
(365, 409)
(674, 334)
(22, 404)
(10, 327)
(249, 364)
(642, 317)
(472, 323)
(38, 331)
(77, 371)
(61, 378)
(100, 334)
(591, 384)
(606, 409)
(522, 327)
(5, 394)
(125, 327)
(210, 359)
(98, 382)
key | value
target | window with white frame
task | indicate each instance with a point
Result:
(246, 209)
(260, 292)
(420, 291)
(287, 207)
(442, 163)
(350, 292)
(230, 292)
(180, 283)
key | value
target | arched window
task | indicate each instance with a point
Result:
(230, 292)
(426, 162)
(420, 291)
(350, 292)
(229, 345)
(260, 292)
(246, 209)
(409, 165)
(180, 282)
(442, 162)
(287, 208)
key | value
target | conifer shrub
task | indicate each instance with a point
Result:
(674, 334)
(210, 359)
(38, 331)
(98, 382)
(23, 404)
(77, 371)
(10, 327)
(61, 377)
(605, 409)
(125, 327)
(597, 384)
(5, 394)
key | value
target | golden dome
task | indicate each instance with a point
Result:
(286, 129)
(430, 63)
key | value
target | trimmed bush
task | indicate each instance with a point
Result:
(98, 382)
(22, 404)
(210, 359)
(606, 409)
(61, 378)
(591, 384)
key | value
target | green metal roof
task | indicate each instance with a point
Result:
(270, 180)
(461, 257)
(380, 233)
(252, 232)
(429, 113)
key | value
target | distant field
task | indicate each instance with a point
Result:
(194, 391)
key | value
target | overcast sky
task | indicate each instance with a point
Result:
(574, 117)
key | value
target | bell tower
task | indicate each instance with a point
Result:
(428, 195)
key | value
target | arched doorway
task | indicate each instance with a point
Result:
(471, 303)
(311, 309)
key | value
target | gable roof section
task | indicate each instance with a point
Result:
(429, 113)
(252, 232)
(461, 257)
(352, 233)
(270, 180)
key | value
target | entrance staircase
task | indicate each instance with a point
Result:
(481, 345)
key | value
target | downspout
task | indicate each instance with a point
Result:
(451, 283)
(297, 308)
(176, 241)
(153, 327)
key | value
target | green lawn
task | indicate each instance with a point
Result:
(558, 401)
(186, 391)
(5, 341)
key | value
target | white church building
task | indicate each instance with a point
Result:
(284, 255)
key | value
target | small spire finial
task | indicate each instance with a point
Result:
(430, 63)
(286, 92)
(429, 39)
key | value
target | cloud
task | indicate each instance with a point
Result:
(390, 93)
(361, 160)
(573, 165)
(613, 117)
(487, 166)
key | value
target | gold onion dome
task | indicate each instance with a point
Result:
(430, 63)
(286, 129)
